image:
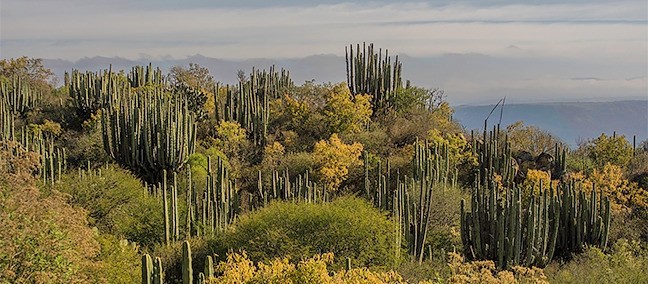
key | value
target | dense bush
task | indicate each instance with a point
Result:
(485, 272)
(627, 263)
(117, 203)
(348, 227)
(45, 240)
(239, 269)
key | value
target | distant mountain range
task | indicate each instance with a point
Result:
(570, 121)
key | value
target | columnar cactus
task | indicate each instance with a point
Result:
(302, 189)
(149, 132)
(187, 271)
(370, 73)
(500, 226)
(248, 104)
(430, 169)
(147, 269)
(7, 124)
(583, 221)
(157, 271)
(91, 91)
(19, 96)
(141, 76)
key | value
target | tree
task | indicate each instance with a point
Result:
(413, 97)
(333, 159)
(615, 150)
(530, 138)
(195, 76)
(345, 113)
(30, 69)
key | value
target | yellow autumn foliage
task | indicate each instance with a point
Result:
(531, 183)
(485, 272)
(345, 113)
(623, 193)
(239, 269)
(333, 159)
(458, 147)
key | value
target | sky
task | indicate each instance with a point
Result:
(570, 48)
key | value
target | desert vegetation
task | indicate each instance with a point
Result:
(137, 176)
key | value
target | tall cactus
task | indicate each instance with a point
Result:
(149, 132)
(157, 271)
(302, 189)
(584, 221)
(248, 103)
(187, 271)
(147, 269)
(19, 96)
(7, 124)
(410, 199)
(90, 91)
(500, 226)
(141, 76)
(370, 73)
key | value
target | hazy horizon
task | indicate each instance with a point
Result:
(477, 51)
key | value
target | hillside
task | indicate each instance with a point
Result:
(570, 121)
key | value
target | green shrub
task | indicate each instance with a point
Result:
(42, 239)
(118, 262)
(348, 227)
(171, 256)
(118, 204)
(627, 263)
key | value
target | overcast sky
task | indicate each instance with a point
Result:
(603, 43)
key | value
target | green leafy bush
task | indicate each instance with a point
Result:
(118, 204)
(626, 263)
(45, 240)
(348, 227)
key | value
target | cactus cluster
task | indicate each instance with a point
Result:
(7, 122)
(409, 200)
(302, 189)
(583, 221)
(372, 73)
(19, 96)
(503, 226)
(494, 154)
(90, 91)
(52, 158)
(141, 76)
(152, 272)
(248, 103)
(149, 131)
(208, 211)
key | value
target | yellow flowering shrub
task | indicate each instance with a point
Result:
(239, 269)
(333, 159)
(458, 147)
(531, 183)
(622, 193)
(485, 272)
(345, 113)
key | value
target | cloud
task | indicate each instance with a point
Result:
(48, 29)
(529, 48)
